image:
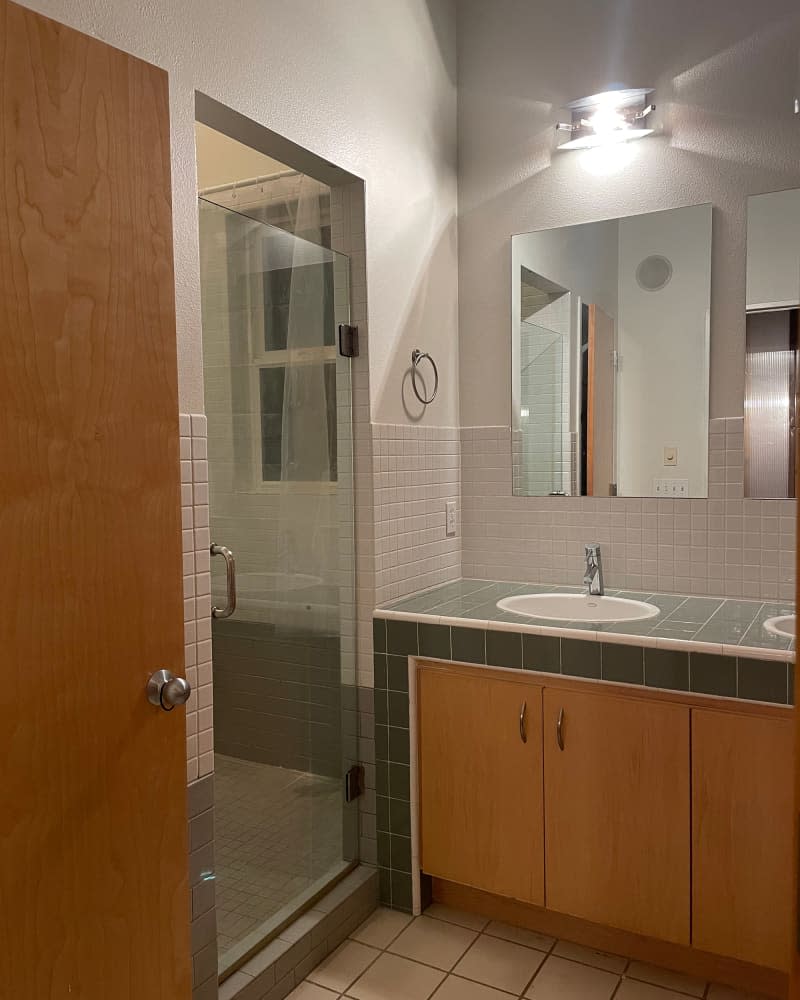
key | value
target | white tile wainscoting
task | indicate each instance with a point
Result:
(416, 470)
(724, 546)
(197, 594)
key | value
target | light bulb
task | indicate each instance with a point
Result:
(607, 120)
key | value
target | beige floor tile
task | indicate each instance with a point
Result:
(519, 935)
(599, 959)
(381, 927)
(559, 979)
(433, 942)
(630, 989)
(454, 988)
(395, 978)
(460, 917)
(716, 992)
(501, 964)
(310, 991)
(343, 966)
(667, 978)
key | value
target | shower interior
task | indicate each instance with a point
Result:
(278, 402)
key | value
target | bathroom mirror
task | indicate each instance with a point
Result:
(610, 357)
(773, 306)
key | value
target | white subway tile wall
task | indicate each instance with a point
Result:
(416, 472)
(196, 595)
(724, 545)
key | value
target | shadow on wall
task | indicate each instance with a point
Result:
(443, 14)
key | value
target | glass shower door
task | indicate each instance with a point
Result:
(278, 402)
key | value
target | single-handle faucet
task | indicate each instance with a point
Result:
(593, 577)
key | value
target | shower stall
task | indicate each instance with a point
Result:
(278, 402)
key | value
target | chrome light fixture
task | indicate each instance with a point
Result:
(608, 118)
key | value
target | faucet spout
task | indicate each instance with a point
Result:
(593, 577)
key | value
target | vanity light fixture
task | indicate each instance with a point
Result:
(608, 118)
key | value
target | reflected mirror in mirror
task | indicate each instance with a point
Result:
(610, 357)
(773, 304)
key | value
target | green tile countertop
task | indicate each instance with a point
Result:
(710, 622)
(707, 645)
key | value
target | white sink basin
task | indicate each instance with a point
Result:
(578, 608)
(785, 625)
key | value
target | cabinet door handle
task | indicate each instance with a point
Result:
(560, 730)
(523, 730)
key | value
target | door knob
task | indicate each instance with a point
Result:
(166, 691)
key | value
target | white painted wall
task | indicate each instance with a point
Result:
(725, 76)
(662, 339)
(370, 87)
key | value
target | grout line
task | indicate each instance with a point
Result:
(483, 933)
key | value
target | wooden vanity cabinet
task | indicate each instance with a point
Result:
(480, 780)
(657, 818)
(617, 825)
(742, 836)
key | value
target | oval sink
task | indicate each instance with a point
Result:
(785, 625)
(578, 608)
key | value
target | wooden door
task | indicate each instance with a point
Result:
(93, 856)
(617, 797)
(600, 404)
(480, 784)
(742, 836)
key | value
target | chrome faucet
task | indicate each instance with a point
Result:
(593, 577)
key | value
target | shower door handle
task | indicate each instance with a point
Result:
(230, 573)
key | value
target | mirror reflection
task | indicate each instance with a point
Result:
(610, 355)
(773, 304)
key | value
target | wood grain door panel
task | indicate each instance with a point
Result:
(742, 836)
(480, 785)
(93, 874)
(617, 830)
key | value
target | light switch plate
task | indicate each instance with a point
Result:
(670, 455)
(450, 517)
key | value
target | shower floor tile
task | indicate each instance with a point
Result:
(277, 831)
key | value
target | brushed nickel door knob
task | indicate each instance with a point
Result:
(165, 690)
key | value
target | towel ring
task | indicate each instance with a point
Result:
(416, 357)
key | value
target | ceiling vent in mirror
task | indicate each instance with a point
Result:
(617, 115)
(653, 273)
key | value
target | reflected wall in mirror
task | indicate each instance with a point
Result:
(610, 357)
(773, 306)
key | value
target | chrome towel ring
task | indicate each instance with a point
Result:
(416, 357)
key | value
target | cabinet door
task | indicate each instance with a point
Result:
(617, 827)
(742, 836)
(480, 783)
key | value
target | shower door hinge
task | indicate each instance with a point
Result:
(353, 783)
(348, 340)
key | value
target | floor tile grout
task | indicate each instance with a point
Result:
(622, 977)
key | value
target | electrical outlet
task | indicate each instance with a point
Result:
(670, 455)
(671, 487)
(450, 517)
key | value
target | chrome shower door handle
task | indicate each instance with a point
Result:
(523, 729)
(230, 573)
